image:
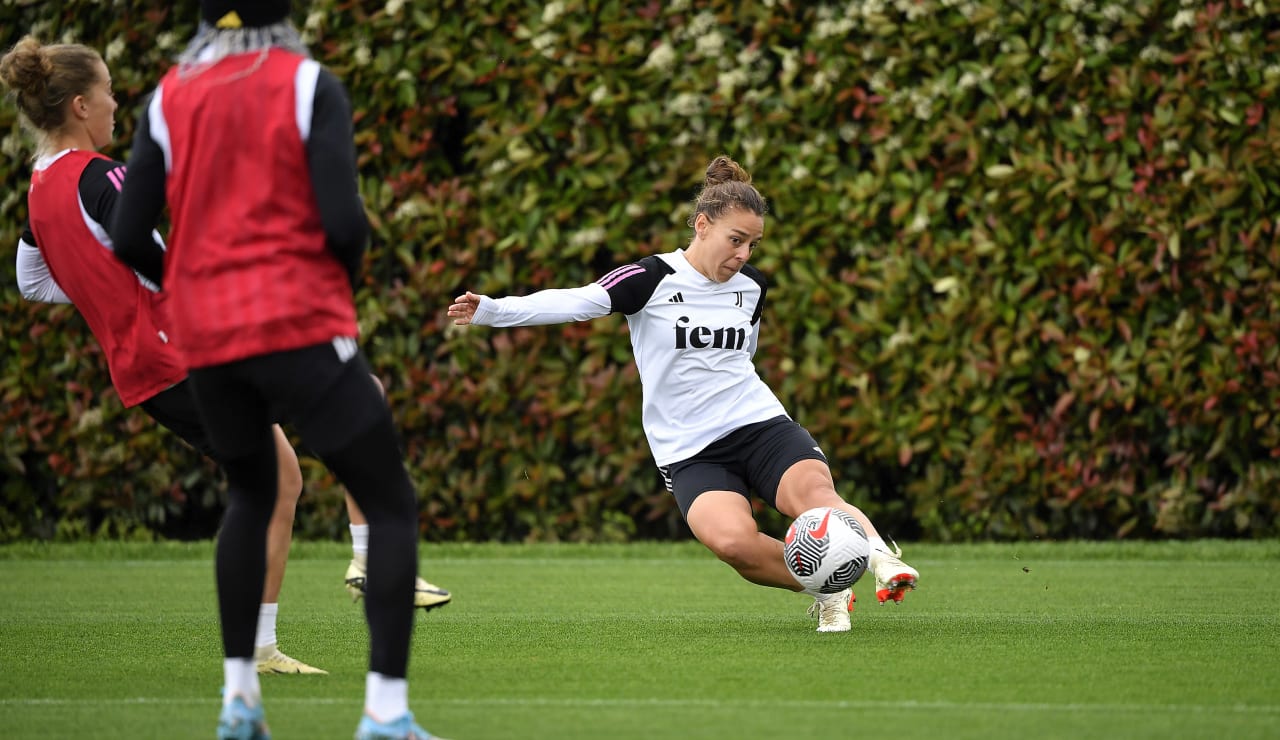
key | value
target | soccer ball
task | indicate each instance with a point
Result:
(826, 550)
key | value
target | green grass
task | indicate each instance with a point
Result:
(1164, 640)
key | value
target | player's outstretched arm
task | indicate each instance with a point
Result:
(552, 306)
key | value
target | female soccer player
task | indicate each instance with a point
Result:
(249, 142)
(64, 256)
(716, 431)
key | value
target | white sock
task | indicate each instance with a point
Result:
(385, 699)
(240, 678)
(266, 625)
(877, 543)
(359, 539)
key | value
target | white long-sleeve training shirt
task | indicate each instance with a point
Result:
(693, 340)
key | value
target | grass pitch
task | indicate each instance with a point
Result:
(1131, 640)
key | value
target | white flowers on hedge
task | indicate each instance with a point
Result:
(518, 151)
(551, 12)
(911, 9)
(879, 82)
(545, 43)
(114, 50)
(921, 105)
(686, 104)
(662, 58)
(830, 28)
(821, 82)
(948, 284)
(497, 167)
(315, 19)
(790, 66)
(1151, 53)
(587, 237)
(393, 7)
(729, 81)
(902, 337)
(702, 24)
(870, 7)
(411, 209)
(167, 40)
(710, 44)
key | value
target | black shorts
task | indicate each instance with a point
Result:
(175, 409)
(751, 459)
(325, 392)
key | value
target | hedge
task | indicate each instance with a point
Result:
(1023, 260)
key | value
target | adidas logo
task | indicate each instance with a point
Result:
(677, 298)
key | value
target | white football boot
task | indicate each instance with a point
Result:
(271, 660)
(426, 596)
(833, 610)
(894, 578)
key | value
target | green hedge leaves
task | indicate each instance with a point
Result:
(1023, 260)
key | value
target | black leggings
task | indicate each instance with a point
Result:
(342, 416)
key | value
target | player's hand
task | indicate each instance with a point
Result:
(464, 308)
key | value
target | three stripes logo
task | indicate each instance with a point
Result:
(345, 347)
(677, 298)
(116, 177)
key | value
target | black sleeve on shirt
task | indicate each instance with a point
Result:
(140, 203)
(97, 191)
(331, 156)
(27, 236)
(632, 292)
(757, 276)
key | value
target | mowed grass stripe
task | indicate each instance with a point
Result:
(816, 706)
(665, 642)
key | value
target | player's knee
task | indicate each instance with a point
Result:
(289, 483)
(738, 550)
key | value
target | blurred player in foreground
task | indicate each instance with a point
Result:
(249, 143)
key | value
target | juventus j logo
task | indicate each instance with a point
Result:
(737, 298)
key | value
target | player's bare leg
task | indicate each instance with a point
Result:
(722, 521)
(279, 538)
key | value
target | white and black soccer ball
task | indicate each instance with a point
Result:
(826, 550)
